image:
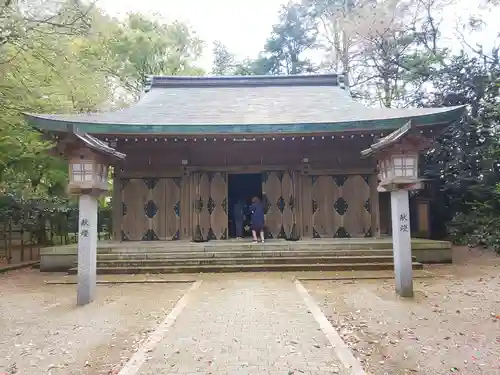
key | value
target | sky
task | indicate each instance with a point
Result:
(244, 25)
(242, 28)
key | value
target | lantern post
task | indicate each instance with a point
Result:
(397, 158)
(88, 159)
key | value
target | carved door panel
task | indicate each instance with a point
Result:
(324, 193)
(279, 190)
(217, 206)
(340, 206)
(271, 192)
(356, 221)
(290, 211)
(201, 194)
(135, 198)
(166, 198)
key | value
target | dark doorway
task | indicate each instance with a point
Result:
(242, 187)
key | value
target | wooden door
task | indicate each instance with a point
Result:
(135, 197)
(210, 206)
(217, 206)
(279, 198)
(201, 217)
(165, 198)
(151, 209)
(339, 206)
(356, 221)
(324, 194)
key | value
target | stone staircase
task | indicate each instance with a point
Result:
(240, 256)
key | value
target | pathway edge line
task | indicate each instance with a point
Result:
(135, 363)
(341, 349)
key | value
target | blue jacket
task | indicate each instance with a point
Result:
(257, 211)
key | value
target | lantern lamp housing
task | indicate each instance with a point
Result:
(399, 168)
(88, 173)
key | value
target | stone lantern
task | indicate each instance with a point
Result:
(88, 173)
(397, 158)
(88, 159)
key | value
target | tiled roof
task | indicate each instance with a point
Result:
(98, 145)
(235, 101)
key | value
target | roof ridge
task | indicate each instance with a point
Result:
(327, 79)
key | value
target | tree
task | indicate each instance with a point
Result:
(42, 71)
(142, 46)
(294, 35)
(223, 61)
(464, 162)
(50, 67)
(387, 48)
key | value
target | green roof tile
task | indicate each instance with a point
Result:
(246, 105)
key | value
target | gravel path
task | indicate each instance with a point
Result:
(44, 332)
(451, 327)
(245, 326)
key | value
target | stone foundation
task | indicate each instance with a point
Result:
(62, 258)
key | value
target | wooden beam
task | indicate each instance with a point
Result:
(116, 206)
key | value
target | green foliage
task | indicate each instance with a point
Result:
(142, 46)
(480, 225)
(295, 34)
(284, 51)
(223, 60)
(40, 74)
(65, 57)
(464, 164)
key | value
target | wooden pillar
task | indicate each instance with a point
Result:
(186, 206)
(193, 192)
(306, 207)
(116, 208)
(375, 207)
(296, 224)
(297, 186)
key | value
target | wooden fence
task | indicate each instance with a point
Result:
(21, 240)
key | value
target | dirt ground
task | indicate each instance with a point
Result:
(44, 332)
(452, 326)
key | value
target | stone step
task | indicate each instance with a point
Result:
(221, 246)
(274, 245)
(243, 261)
(241, 254)
(248, 268)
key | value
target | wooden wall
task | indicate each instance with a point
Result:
(148, 157)
(419, 216)
(161, 197)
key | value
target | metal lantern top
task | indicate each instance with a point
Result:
(88, 163)
(397, 155)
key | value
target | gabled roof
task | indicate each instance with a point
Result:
(244, 104)
(388, 140)
(97, 145)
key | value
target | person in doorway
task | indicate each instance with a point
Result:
(257, 222)
(239, 217)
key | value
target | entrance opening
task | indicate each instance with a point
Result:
(242, 187)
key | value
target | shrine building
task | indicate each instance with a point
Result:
(197, 145)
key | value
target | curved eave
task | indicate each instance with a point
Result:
(442, 118)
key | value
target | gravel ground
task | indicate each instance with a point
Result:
(44, 332)
(452, 326)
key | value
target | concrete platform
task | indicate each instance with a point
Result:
(232, 252)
